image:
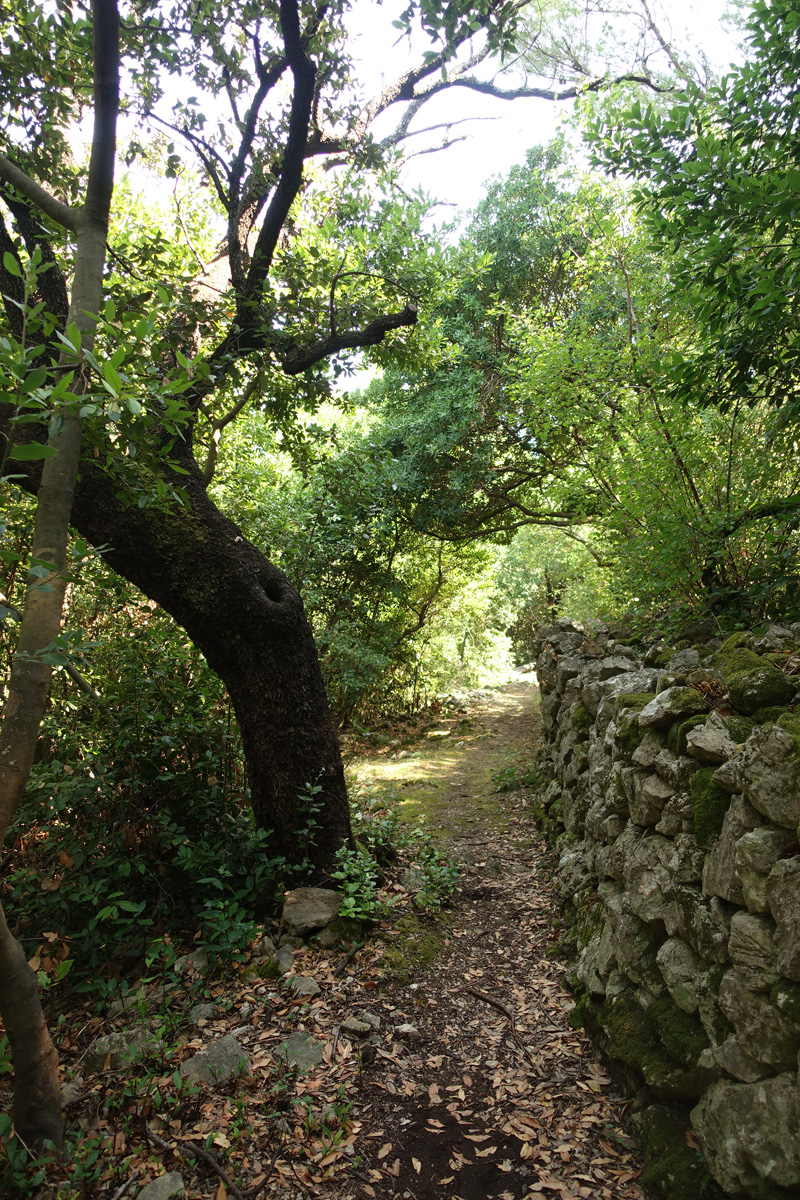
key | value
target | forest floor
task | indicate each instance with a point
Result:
(472, 1085)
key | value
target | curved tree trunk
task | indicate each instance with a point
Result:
(249, 622)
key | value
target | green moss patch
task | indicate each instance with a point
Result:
(416, 947)
(709, 805)
(676, 738)
(786, 998)
(629, 733)
(581, 717)
(673, 1170)
(681, 1034)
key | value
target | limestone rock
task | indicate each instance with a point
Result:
(649, 882)
(284, 959)
(783, 896)
(704, 923)
(720, 874)
(748, 1134)
(650, 795)
(596, 961)
(407, 1033)
(196, 961)
(307, 909)
(300, 1050)
(673, 704)
(649, 748)
(677, 816)
(752, 949)
(761, 687)
(352, 1027)
(767, 771)
(203, 1012)
(304, 985)
(675, 769)
(223, 1059)
(162, 1188)
(684, 660)
(711, 743)
(119, 1050)
(680, 968)
(756, 854)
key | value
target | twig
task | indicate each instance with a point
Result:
(189, 1149)
(120, 1192)
(498, 1004)
(342, 966)
(253, 1191)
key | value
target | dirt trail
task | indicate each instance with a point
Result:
(496, 1096)
(435, 1059)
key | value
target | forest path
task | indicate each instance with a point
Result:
(493, 1095)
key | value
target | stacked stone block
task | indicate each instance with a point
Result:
(676, 777)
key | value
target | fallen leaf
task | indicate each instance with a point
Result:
(384, 1150)
(416, 1164)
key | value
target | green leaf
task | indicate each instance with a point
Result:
(11, 264)
(32, 451)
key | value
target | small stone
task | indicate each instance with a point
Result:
(307, 909)
(264, 948)
(119, 1050)
(756, 854)
(355, 1028)
(197, 961)
(246, 1010)
(299, 1051)
(493, 868)
(203, 1012)
(304, 985)
(284, 959)
(223, 1059)
(673, 704)
(407, 1033)
(783, 895)
(711, 743)
(371, 1019)
(162, 1188)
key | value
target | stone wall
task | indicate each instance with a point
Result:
(675, 775)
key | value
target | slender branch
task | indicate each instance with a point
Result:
(291, 173)
(219, 424)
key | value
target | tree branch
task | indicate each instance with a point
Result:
(300, 358)
(63, 214)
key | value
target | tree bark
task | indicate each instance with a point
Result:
(37, 1096)
(249, 622)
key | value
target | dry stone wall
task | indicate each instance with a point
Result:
(675, 775)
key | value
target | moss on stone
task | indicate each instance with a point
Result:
(681, 1034)
(769, 716)
(758, 688)
(673, 1170)
(629, 733)
(581, 717)
(709, 805)
(631, 1037)
(663, 659)
(790, 721)
(740, 728)
(682, 644)
(676, 738)
(786, 998)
